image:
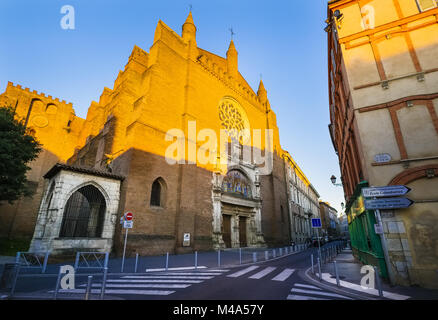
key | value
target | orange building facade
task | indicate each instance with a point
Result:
(383, 89)
(145, 147)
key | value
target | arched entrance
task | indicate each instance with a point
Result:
(236, 212)
(84, 214)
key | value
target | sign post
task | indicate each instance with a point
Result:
(381, 198)
(316, 224)
(387, 203)
(388, 191)
(127, 224)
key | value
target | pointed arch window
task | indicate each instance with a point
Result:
(158, 193)
(84, 214)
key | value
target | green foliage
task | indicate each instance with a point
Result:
(10, 247)
(17, 148)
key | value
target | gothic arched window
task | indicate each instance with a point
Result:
(158, 193)
(84, 214)
(237, 184)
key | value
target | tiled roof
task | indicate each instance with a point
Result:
(60, 166)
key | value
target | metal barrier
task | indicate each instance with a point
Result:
(91, 260)
(28, 260)
(32, 260)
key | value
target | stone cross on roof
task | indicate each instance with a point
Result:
(232, 32)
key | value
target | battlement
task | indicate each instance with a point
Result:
(228, 80)
(41, 95)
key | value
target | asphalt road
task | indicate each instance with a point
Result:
(279, 279)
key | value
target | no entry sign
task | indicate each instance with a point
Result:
(128, 216)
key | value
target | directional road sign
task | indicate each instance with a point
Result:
(316, 223)
(388, 203)
(389, 191)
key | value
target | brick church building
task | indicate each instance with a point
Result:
(91, 171)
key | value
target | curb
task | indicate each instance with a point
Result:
(325, 285)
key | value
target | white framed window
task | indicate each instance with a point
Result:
(424, 5)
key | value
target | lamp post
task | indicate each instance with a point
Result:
(333, 180)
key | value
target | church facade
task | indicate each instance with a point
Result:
(150, 146)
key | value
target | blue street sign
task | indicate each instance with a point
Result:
(387, 203)
(316, 223)
(388, 191)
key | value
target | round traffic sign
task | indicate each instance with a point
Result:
(128, 216)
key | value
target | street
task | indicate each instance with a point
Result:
(278, 279)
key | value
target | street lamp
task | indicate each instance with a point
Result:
(333, 179)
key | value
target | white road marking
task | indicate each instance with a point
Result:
(242, 272)
(320, 293)
(172, 269)
(306, 286)
(286, 273)
(168, 277)
(394, 296)
(163, 286)
(262, 273)
(155, 281)
(216, 270)
(298, 297)
(112, 291)
(189, 274)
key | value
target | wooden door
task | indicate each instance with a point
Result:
(242, 231)
(226, 230)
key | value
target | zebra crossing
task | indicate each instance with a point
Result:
(282, 276)
(156, 284)
(301, 291)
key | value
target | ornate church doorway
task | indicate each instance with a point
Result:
(226, 230)
(242, 231)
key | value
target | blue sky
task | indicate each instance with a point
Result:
(282, 40)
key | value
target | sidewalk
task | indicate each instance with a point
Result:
(350, 278)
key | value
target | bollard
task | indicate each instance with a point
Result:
(254, 257)
(219, 258)
(87, 292)
(58, 281)
(378, 281)
(14, 283)
(319, 269)
(240, 255)
(281, 251)
(196, 260)
(311, 259)
(266, 255)
(287, 250)
(76, 261)
(136, 263)
(274, 253)
(105, 274)
(46, 257)
(338, 283)
(167, 260)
